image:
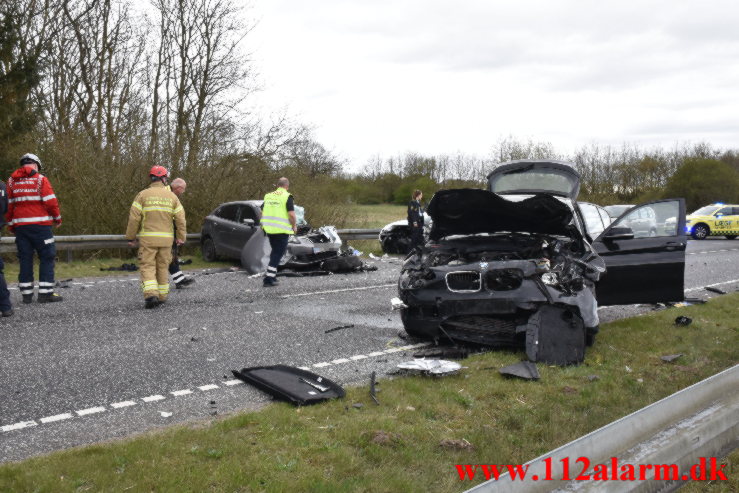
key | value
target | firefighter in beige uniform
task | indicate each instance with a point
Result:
(151, 220)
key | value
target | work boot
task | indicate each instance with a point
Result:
(8, 312)
(48, 298)
(151, 302)
(162, 300)
(28, 298)
(184, 282)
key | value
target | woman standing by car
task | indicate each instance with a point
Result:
(415, 219)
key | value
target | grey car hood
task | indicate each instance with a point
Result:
(533, 176)
(469, 211)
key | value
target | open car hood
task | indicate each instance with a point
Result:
(469, 211)
(532, 177)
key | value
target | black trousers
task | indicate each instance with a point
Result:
(278, 242)
(416, 236)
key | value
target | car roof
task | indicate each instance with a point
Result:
(257, 203)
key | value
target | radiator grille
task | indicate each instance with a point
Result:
(464, 282)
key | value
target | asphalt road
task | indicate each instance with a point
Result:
(98, 366)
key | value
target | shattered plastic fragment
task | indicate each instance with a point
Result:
(165, 414)
(669, 358)
(525, 369)
(397, 304)
(432, 366)
(682, 320)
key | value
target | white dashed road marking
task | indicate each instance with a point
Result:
(118, 405)
(204, 388)
(58, 417)
(91, 410)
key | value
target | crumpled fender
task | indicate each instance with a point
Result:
(255, 254)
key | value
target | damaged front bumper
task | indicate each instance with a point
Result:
(502, 304)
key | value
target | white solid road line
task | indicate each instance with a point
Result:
(363, 288)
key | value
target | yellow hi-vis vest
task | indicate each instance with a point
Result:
(274, 214)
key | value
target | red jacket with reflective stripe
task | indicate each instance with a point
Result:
(31, 199)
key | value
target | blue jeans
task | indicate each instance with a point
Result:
(35, 238)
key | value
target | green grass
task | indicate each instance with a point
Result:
(90, 267)
(375, 216)
(330, 447)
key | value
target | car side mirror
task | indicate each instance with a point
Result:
(619, 233)
(248, 222)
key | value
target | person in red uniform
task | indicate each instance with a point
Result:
(32, 209)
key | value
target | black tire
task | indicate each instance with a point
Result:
(208, 249)
(700, 232)
(730, 237)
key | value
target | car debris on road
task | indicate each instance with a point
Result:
(525, 369)
(290, 384)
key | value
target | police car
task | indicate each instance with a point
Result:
(713, 220)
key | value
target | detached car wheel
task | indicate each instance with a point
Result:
(208, 249)
(700, 232)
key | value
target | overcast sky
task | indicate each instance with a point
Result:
(385, 77)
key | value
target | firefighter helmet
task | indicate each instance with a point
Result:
(29, 158)
(159, 171)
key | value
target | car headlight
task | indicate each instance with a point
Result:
(550, 278)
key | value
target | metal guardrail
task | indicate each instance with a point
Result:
(99, 242)
(699, 421)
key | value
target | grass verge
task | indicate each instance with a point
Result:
(396, 446)
(375, 216)
(90, 267)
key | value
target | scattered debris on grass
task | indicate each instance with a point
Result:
(357, 405)
(524, 369)
(669, 358)
(593, 378)
(373, 387)
(695, 301)
(340, 327)
(431, 366)
(450, 444)
(684, 321)
(123, 267)
(569, 390)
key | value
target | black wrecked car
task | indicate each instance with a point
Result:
(518, 265)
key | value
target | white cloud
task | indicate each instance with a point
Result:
(439, 76)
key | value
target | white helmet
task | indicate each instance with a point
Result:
(30, 158)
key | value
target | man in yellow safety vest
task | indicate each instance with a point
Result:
(278, 222)
(154, 214)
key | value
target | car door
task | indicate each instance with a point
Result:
(248, 224)
(647, 269)
(224, 229)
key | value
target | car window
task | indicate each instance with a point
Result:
(736, 211)
(724, 211)
(248, 212)
(657, 215)
(591, 216)
(228, 212)
(604, 216)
